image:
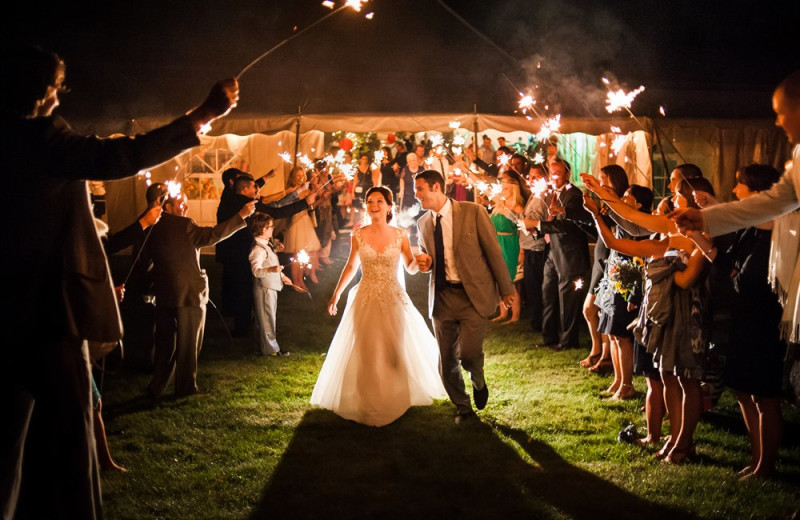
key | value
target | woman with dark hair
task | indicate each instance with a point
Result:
(614, 316)
(754, 360)
(383, 359)
(389, 171)
(600, 358)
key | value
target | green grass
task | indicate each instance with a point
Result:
(545, 446)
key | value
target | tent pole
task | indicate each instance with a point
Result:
(297, 137)
(475, 127)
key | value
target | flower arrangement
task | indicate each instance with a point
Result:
(626, 276)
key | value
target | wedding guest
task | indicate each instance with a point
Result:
(534, 249)
(181, 291)
(754, 358)
(567, 267)
(301, 236)
(323, 187)
(269, 279)
(412, 167)
(60, 273)
(508, 208)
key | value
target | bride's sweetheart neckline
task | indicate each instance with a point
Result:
(385, 248)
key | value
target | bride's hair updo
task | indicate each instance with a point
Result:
(387, 196)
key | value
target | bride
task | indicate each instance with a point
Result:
(382, 359)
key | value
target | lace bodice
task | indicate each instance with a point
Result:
(379, 269)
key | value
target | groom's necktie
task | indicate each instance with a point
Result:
(440, 280)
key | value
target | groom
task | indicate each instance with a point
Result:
(458, 240)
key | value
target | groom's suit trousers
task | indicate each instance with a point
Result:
(459, 330)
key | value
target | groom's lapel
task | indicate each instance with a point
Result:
(458, 225)
(426, 229)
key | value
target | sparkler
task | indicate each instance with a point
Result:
(578, 283)
(354, 4)
(549, 127)
(174, 189)
(618, 99)
(302, 258)
(538, 158)
(455, 124)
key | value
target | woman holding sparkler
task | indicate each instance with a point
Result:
(508, 208)
(383, 359)
(301, 235)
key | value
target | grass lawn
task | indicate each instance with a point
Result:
(545, 446)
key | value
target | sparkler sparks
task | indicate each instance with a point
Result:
(286, 156)
(549, 127)
(618, 99)
(328, 4)
(356, 4)
(619, 142)
(662, 111)
(455, 124)
(539, 187)
(578, 283)
(538, 158)
(526, 103)
(302, 258)
(174, 189)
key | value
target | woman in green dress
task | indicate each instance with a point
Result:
(508, 207)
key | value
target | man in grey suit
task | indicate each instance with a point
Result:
(181, 290)
(457, 240)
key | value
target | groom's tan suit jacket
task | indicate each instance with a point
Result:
(478, 258)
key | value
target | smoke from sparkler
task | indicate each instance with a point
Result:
(405, 218)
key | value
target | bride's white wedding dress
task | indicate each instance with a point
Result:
(383, 359)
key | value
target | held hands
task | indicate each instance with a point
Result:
(248, 209)
(424, 262)
(224, 96)
(508, 300)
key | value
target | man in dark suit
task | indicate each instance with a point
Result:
(458, 240)
(566, 270)
(59, 291)
(181, 290)
(237, 280)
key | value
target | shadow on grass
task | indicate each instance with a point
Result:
(424, 466)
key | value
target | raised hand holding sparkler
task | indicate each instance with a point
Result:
(224, 96)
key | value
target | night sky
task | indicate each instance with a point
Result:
(696, 58)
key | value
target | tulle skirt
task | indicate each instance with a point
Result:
(382, 360)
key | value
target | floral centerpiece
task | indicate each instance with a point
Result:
(626, 276)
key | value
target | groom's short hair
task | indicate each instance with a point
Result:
(431, 177)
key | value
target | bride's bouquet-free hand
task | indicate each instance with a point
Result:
(626, 276)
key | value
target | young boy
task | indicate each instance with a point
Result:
(269, 279)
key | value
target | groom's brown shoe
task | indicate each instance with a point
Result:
(481, 396)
